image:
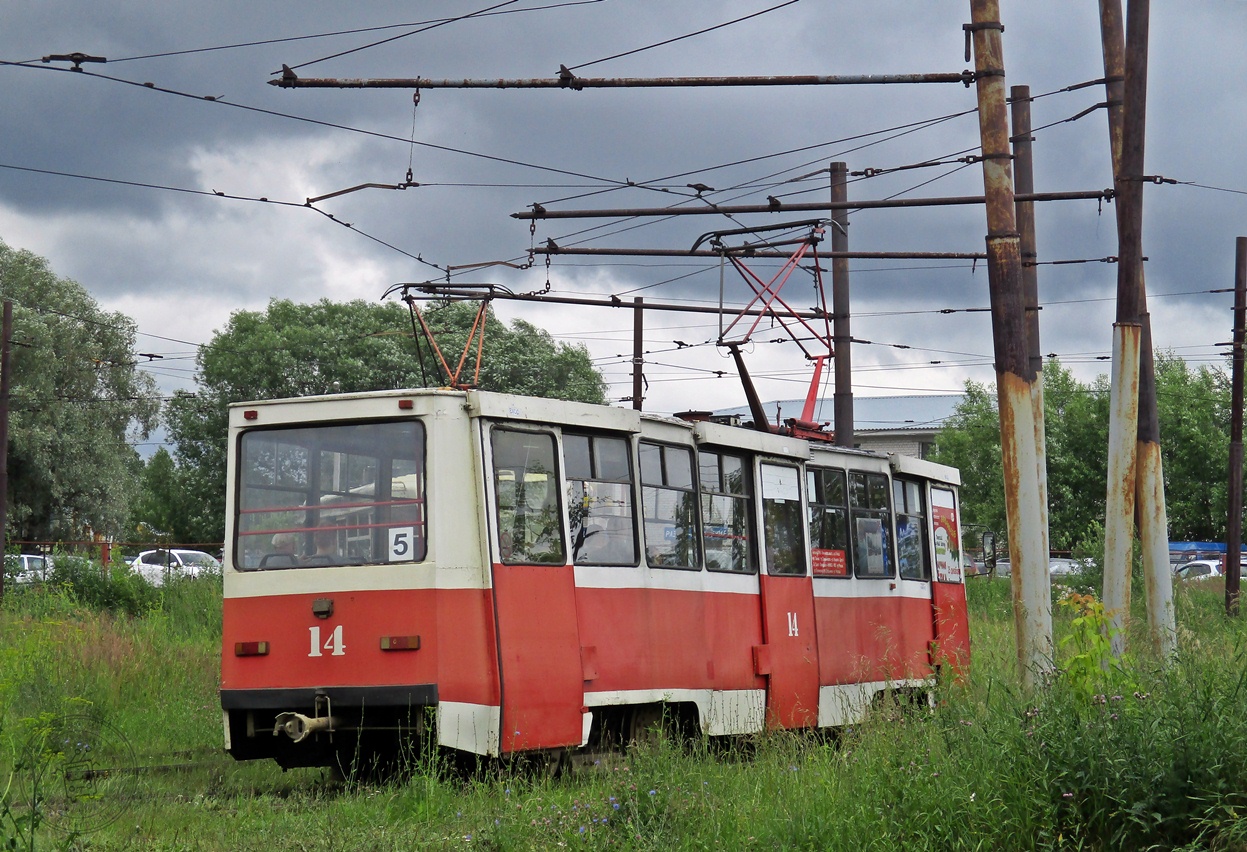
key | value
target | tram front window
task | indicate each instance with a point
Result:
(340, 494)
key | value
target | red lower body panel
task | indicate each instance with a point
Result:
(645, 639)
(455, 627)
(873, 639)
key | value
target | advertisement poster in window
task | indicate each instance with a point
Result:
(871, 560)
(830, 563)
(947, 545)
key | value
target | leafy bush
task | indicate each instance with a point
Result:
(116, 589)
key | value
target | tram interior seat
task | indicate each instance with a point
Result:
(279, 560)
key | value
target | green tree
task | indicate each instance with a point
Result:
(1076, 426)
(293, 350)
(1193, 407)
(160, 506)
(1194, 413)
(77, 398)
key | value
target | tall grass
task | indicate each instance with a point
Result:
(109, 644)
(1155, 759)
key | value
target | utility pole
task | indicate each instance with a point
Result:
(1032, 601)
(638, 353)
(1024, 178)
(6, 371)
(842, 335)
(1135, 474)
(1234, 525)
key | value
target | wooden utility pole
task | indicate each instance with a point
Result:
(1234, 525)
(638, 352)
(6, 371)
(1015, 375)
(841, 336)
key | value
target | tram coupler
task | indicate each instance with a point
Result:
(299, 727)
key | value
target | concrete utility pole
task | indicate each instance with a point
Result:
(1135, 474)
(842, 336)
(1015, 376)
(1024, 178)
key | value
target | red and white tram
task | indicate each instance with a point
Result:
(528, 574)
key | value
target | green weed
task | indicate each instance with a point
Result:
(1154, 756)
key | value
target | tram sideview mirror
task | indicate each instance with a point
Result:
(989, 550)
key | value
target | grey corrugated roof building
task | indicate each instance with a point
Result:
(889, 424)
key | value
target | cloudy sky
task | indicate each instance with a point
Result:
(148, 235)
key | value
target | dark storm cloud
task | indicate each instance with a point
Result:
(149, 249)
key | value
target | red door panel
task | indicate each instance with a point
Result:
(790, 655)
(952, 627)
(540, 666)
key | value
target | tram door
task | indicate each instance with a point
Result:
(789, 657)
(948, 593)
(540, 672)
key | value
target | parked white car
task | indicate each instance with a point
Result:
(154, 565)
(1058, 567)
(25, 569)
(1198, 569)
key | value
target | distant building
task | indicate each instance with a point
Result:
(906, 425)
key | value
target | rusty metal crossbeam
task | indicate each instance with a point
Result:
(567, 80)
(711, 209)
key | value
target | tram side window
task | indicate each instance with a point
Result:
(871, 524)
(829, 522)
(599, 500)
(331, 494)
(783, 520)
(911, 530)
(526, 489)
(726, 512)
(669, 506)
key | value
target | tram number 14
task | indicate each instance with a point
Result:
(333, 644)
